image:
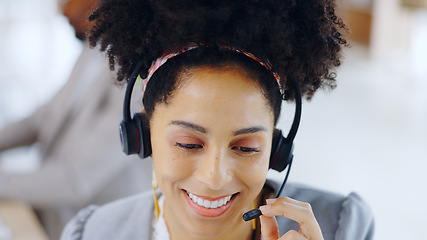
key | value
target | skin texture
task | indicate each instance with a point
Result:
(222, 102)
(213, 139)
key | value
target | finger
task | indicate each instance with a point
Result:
(295, 210)
(269, 228)
(293, 235)
(300, 212)
(288, 200)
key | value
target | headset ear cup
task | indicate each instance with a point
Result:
(128, 137)
(281, 151)
(143, 126)
(124, 139)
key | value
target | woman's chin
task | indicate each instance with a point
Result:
(203, 223)
(207, 231)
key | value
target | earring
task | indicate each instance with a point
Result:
(156, 201)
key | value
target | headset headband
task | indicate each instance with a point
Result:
(166, 56)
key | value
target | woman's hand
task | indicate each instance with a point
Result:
(300, 212)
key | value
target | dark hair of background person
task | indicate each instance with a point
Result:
(300, 41)
(76, 12)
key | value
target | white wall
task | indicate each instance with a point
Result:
(370, 134)
(37, 51)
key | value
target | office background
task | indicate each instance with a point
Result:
(369, 135)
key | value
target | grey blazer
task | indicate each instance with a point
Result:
(82, 163)
(340, 217)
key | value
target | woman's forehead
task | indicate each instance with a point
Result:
(219, 84)
(225, 95)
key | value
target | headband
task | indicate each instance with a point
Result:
(165, 57)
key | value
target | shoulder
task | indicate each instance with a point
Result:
(340, 217)
(127, 218)
(356, 219)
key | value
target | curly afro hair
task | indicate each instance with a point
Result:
(301, 39)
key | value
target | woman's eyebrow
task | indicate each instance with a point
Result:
(188, 125)
(250, 130)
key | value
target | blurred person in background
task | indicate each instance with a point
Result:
(82, 162)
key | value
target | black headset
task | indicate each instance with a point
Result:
(135, 132)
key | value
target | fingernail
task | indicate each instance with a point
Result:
(265, 208)
(271, 201)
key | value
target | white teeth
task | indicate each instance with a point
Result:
(208, 204)
(214, 204)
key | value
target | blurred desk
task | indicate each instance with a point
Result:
(21, 221)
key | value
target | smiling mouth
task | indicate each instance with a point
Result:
(207, 206)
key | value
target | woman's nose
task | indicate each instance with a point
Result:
(213, 169)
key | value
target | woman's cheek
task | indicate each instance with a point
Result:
(175, 163)
(254, 172)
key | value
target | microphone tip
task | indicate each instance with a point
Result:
(252, 214)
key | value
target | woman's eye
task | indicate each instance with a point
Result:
(246, 149)
(188, 146)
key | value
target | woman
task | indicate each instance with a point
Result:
(215, 74)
